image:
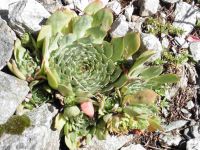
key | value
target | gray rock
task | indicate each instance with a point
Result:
(115, 6)
(136, 24)
(133, 147)
(193, 144)
(120, 27)
(111, 143)
(181, 42)
(185, 17)
(171, 139)
(148, 7)
(190, 105)
(151, 42)
(12, 93)
(194, 50)
(37, 137)
(51, 5)
(175, 125)
(7, 37)
(171, 1)
(129, 11)
(26, 15)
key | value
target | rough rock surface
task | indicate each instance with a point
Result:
(193, 144)
(7, 37)
(195, 50)
(120, 27)
(12, 93)
(151, 42)
(111, 143)
(175, 125)
(37, 137)
(26, 15)
(171, 1)
(115, 6)
(185, 17)
(133, 147)
(148, 7)
(51, 5)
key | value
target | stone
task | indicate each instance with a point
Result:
(174, 125)
(115, 6)
(128, 12)
(51, 5)
(171, 1)
(195, 50)
(136, 24)
(148, 7)
(81, 4)
(181, 42)
(7, 37)
(190, 105)
(37, 137)
(193, 144)
(26, 16)
(120, 27)
(12, 93)
(133, 147)
(165, 42)
(185, 17)
(171, 139)
(151, 42)
(111, 143)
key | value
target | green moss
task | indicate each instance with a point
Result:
(17, 124)
(1, 130)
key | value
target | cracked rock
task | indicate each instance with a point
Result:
(7, 37)
(26, 15)
(12, 93)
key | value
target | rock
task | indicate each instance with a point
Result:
(172, 140)
(175, 125)
(171, 1)
(181, 42)
(12, 93)
(115, 6)
(193, 144)
(151, 42)
(136, 24)
(128, 12)
(190, 105)
(194, 50)
(185, 17)
(26, 15)
(120, 27)
(186, 113)
(148, 7)
(111, 143)
(7, 37)
(133, 147)
(165, 43)
(81, 4)
(50, 5)
(195, 131)
(37, 137)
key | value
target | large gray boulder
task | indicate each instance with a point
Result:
(7, 37)
(37, 137)
(12, 93)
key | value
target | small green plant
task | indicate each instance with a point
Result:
(102, 90)
(198, 23)
(155, 26)
(15, 125)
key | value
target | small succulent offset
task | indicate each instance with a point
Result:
(103, 90)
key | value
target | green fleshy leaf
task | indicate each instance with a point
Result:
(131, 44)
(53, 78)
(44, 32)
(121, 81)
(152, 71)
(118, 48)
(93, 7)
(108, 49)
(97, 34)
(59, 122)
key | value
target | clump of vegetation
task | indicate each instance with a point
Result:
(102, 90)
(198, 23)
(156, 26)
(15, 125)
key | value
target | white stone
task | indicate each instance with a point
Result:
(128, 12)
(174, 125)
(193, 144)
(165, 42)
(148, 7)
(151, 42)
(81, 4)
(190, 105)
(182, 42)
(136, 24)
(195, 50)
(171, 139)
(185, 17)
(120, 27)
(5, 4)
(26, 15)
(133, 147)
(115, 6)
(171, 1)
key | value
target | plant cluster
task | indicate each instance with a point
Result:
(102, 89)
(156, 26)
